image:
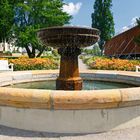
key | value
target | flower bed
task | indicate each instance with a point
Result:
(24, 63)
(102, 63)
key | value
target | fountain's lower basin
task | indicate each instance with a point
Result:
(87, 85)
(70, 111)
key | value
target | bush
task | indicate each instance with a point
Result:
(7, 53)
(55, 53)
(24, 63)
(102, 63)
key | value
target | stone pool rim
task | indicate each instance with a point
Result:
(69, 100)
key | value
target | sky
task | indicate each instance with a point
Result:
(124, 12)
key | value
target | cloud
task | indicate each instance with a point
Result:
(72, 8)
(134, 20)
(125, 28)
(133, 23)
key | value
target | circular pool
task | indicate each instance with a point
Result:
(59, 111)
(87, 85)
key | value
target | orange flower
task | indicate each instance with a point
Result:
(113, 64)
(24, 63)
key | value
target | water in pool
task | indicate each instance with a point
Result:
(87, 85)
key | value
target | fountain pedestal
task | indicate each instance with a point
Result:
(69, 78)
(68, 40)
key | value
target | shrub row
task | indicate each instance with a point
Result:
(102, 63)
(24, 63)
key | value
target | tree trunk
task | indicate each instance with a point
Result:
(30, 54)
(28, 51)
(102, 50)
(101, 45)
(33, 53)
(39, 54)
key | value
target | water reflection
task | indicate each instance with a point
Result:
(87, 85)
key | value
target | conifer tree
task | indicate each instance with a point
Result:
(102, 19)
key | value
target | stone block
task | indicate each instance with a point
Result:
(86, 99)
(130, 97)
(25, 98)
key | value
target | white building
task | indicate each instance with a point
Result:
(4, 46)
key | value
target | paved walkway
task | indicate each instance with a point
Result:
(15, 134)
(82, 66)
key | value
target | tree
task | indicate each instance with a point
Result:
(30, 16)
(102, 19)
(6, 19)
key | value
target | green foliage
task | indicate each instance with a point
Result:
(33, 15)
(88, 59)
(7, 53)
(55, 53)
(102, 19)
(6, 19)
(94, 51)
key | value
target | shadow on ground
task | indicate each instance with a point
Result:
(7, 131)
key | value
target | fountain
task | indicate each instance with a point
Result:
(64, 111)
(69, 40)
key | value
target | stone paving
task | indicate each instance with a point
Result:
(16, 134)
(82, 66)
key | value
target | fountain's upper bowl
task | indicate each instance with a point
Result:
(69, 36)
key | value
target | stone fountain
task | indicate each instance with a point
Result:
(69, 40)
(69, 112)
